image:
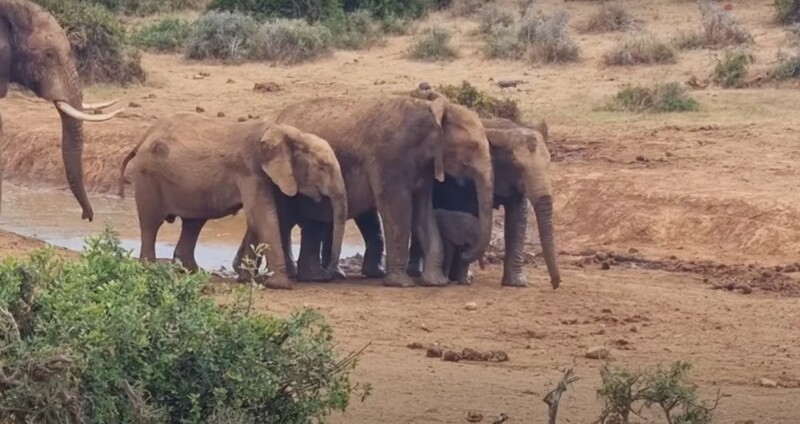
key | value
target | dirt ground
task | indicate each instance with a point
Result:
(680, 233)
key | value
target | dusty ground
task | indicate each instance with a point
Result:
(688, 202)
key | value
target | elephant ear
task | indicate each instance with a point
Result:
(438, 108)
(541, 126)
(277, 164)
(5, 57)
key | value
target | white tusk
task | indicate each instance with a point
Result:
(98, 106)
(83, 116)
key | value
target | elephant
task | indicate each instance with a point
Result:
(195, 168)
(389, 148)
(35, 53)
(459, 231)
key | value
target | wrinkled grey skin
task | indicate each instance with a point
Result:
(35, 53)
(459, 231)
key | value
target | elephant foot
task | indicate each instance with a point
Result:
(373, 271)
(291, 269)
(278, 282)
(316, 274)
(466, 280)
(414, 270)
(434, 279)
(398, 280)
(515, 280)
(338, 273)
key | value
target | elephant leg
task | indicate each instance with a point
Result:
(262, 216)
(327, 243)
(414, 268)
(309, 267)
(516, 225)
(184, 250)
(396, 212)
(369, 224)
(459, 270)
(150, 221)
(244, 249)
(286, 242)
(449, 254)
(427, 232)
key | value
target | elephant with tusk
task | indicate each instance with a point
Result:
(35, 53)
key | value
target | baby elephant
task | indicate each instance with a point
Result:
(459, 231)
(197, 169)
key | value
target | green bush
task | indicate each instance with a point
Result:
(787, 12)
(321, 10)
(108, 339)
(662, 97)
(611, 17)
(225, 36)
(536, 37)
(626, 392)
(393, 25)
(147, 7)
(731, 70)
(788, 67)
(290, 41)
(642, 49)
(98, 40)
(166, 35)
(356, 30)
(433, 44)
(485, 105)
(720, 27)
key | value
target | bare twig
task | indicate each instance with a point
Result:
(554, 396)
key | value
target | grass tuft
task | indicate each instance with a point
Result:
(661, 97)
(640, 50)
(611, 17)
(731, 70)
(433, 44)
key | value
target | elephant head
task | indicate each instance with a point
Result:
(35, 53)
(523, 152)
(466, 154)
(300, 162)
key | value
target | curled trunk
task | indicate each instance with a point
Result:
(339, 205)
(72, 152)
(543, 207)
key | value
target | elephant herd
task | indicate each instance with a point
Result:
(420, 176)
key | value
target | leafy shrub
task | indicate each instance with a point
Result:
(221, 35)
(662, 97)
(394, 25)
(688, 40)
(166, 35)
(290, 41)
(787, 11)
(310, 10)
(485, 105)
(107, 339)
(467, 8)
(147, 7)
(492, 17)
(642, 49)
(720, 27)
(412, 9)
(547, 38)
(355, 30)
(504, 43)
(731, 70)
(433, 44)
(611, 17)
(625, 392)
(788, 67)
(98, 41)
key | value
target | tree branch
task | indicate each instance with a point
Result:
(554, 396)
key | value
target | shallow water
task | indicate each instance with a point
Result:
(55, 217)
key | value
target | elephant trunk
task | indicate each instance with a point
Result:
(484, 187)
(71, 152)
(543, 207)
(339, 205)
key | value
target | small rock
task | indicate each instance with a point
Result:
(204, 74)
(134, 104)
(434, 352)
(765, 382)
(640, 158)
(415, 345)
(266, 87)
(151, 96)
(597, 352)
(745, 288)
(605, 266)
(425, 328)
(249, 116)
(471, 306)
(220, 114)
(474, 417)
(451, 356)
(242, 119)
(509, 83)
(197, 77)
(230, 81)
(198, 109)
(424, 86)
(536, 334)
(634, 329)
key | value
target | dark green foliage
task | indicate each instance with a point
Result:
(625, 392)
(731, 70)
(146, 7)
(98, 40)
(787, 12)
(107, 339)
(485, 105)
(166, 35)
(662, 97)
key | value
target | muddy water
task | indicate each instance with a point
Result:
(54, 216)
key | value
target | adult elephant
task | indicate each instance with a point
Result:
(389, 149)
(195, 168)
(35, 53)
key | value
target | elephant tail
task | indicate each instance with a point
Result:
(122, 179)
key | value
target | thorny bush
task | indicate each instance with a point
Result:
(107, 339)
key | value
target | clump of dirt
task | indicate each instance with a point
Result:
(467, 354)
(743, 278)
(266, 87)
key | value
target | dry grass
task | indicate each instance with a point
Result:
(731, 70)
(720, 27)
(611, 17)
(640, 50)
(433, 44)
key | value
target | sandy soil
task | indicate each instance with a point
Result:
(675, 205)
